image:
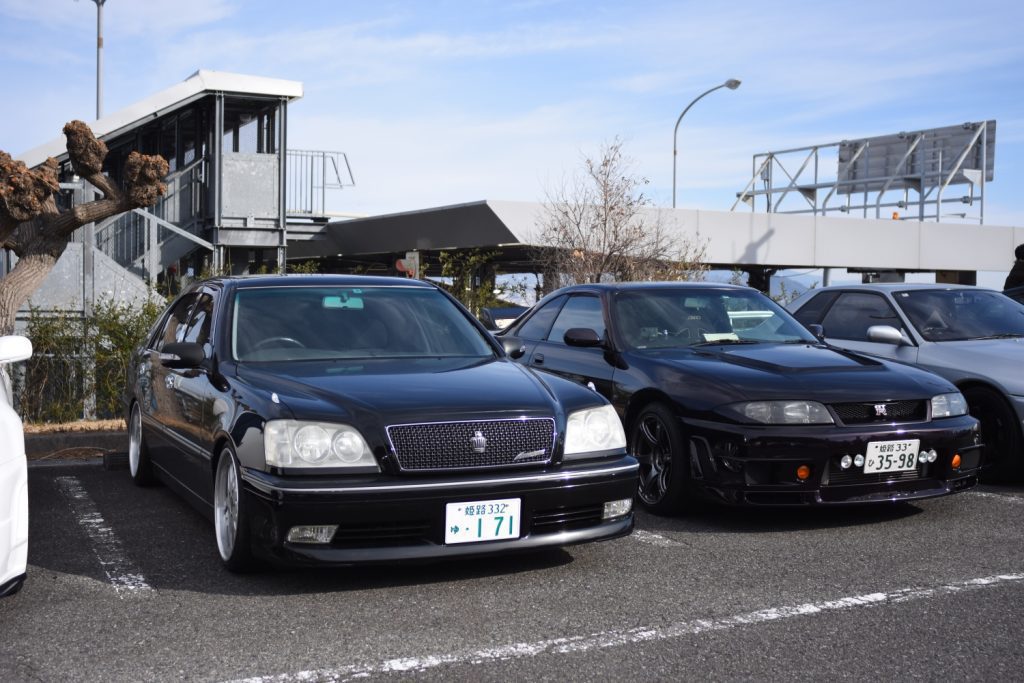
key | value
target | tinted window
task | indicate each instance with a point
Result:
(958, 314)
(814, 310)
(579, 311)
(854, 312)
(198, 330)
(174, 327)
(305, 323)
(540, 322)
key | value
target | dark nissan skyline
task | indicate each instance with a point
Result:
(725, 396)
(345, 419)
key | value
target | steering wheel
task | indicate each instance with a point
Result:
(280, 341)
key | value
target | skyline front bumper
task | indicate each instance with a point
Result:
(757, 465)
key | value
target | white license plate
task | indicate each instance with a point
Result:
(891, 456)
(481, 520)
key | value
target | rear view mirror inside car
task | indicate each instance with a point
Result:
(343, 301)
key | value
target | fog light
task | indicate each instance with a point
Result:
(858, 460)
(845, 462)
(803, 472)
(932, 455)
(617, 508)
(322, 533)
(956, 461)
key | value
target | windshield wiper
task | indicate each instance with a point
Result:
(1004, 335)
(728, 341)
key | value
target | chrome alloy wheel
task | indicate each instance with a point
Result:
(225, 497)
(135, 441)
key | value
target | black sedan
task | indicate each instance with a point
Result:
(724, 395)
(344, 420)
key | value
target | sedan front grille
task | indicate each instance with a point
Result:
(883, 411)
(473, 445)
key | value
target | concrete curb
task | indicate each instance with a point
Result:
(37, 445)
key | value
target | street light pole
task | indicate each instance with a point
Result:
(731, 84)
(99, 57)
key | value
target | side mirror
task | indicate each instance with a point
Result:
(14, 348)
(182, 355)
(886, 334)
(818, 331)
(581, 336)
(514, 348)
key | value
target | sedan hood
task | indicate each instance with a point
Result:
(793, 371)
(406, 390)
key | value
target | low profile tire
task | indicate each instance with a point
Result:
(657, 441)
(139, 464)
(230, 523)
(1001, 433)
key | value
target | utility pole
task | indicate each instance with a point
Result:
(99, 57)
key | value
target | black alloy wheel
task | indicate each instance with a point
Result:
(1000, 432)
(657, 441)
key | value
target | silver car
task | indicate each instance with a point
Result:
(972, 336)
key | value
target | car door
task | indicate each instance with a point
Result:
(535, 327)
(194, 393)
(160, 404)
(588, 366)
(847, 320)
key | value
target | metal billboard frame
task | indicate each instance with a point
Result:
(900, 172)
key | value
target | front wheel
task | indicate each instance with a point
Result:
(229, 520)
(657, 441)
(139, 464)
(1000, 431)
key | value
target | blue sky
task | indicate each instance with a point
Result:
(445, 102)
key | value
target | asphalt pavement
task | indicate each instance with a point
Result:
(125, 584)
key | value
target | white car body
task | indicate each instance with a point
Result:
(13, 475)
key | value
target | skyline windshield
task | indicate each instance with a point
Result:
(675, 318)
(332, 323)
(961, 314)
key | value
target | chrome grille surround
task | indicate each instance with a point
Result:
(445, 446)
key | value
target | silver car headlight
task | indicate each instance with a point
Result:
(949, 405)
(784, 412)
(295, 443)
(593, 430)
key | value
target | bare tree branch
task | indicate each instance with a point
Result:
(598, 227)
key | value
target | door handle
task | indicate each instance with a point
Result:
(538, 359)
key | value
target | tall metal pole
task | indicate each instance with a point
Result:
(731, 84)
(99, 57)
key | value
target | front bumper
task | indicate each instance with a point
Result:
(755, 465)
(390, 519)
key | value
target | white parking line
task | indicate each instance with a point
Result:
(999, 496)
(120, 570)
(607, 639)
(655, 539)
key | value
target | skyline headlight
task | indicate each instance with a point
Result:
(296, 443)
(949, 405)
(784, 412)
(593, 429)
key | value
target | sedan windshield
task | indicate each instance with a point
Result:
(960, 314)
(668, 318)
(324, 323)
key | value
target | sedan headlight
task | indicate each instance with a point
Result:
(591, 430)
(784, 412)
(293, 443)
(949, 405)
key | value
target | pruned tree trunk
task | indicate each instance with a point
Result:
(38, 233)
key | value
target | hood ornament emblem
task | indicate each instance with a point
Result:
(478, 442)
(880, 410)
